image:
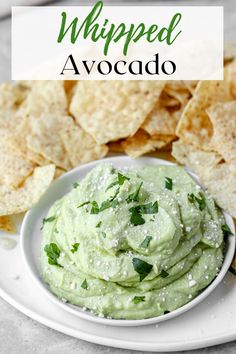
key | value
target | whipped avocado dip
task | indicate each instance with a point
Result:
(132, 243)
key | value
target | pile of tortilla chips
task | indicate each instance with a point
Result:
(50, 127)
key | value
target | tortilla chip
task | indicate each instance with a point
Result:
(192, 157)
(14, 167)
(5, 224)
(59, 172)
(195, 126)
(44, 138)
(220, 182)
(15, 201)
(111, 110)
(12, 95)
(115, 146)
(141, 143)
(161, 121)
(80, 146)
(223, 118)
(45, 96)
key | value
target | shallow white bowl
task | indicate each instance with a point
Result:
(31, 239)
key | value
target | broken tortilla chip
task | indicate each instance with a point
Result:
(141, 143)
(80, 146)
(194, 158)
(111, 110)
(223, 119)
(44, 138)
(220, 182)
(45, 96)
(14, 167)
(195, 126)
(15, 201)
(6, 225)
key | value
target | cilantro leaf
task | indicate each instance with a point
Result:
(99, 224)
(134, 197)
(226, 230)
(138, 299)
(53, 253)
(164, 274)
(120, 181)
(75, 247)
(109, 202)
(168, 183)
(199, 200)
(95, 208)
(75, 184)
(136, 218)
(141, 267)
(104, 234)
(150, 208)
(50, 219)
(146, 242)
(84, 285)
(81, 205)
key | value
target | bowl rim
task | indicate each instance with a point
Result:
(86, 314)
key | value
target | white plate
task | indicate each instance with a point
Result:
(209, 323)
(31, 239)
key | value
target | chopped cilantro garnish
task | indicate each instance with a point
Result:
(75, 184)
(168, 183)
(84, 285)
(120, 181)
(134, 197)
(56, 231)
(146, 242)
(109, 202)
(53, 253)
(138, 299)
(166, 312)
(75, 247)
(81, 205)
(141, 267)
(226, 230)
(104, 234)
(150, 208)
(164, 274)
(95, 208)
(136, 218)
(99, 224)
(199, 200)
(50, 219)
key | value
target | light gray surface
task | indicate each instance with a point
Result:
(18, 333)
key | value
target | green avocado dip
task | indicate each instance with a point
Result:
(132, 243)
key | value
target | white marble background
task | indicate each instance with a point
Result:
(20, 334)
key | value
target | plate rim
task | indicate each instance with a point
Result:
(112, 322)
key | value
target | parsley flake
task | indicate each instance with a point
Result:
(226, 230)
(53, 253)
(200, 200)
(75, 247)
(168, 183)
(138, 299)
(95, 208)
(120, 181)
(146, 242)
(50, 219)
(136, 218)
(99, 224)
(164, 274)
(150, 208)
(81, 205)
(84, 285)
(141, 267)
(134, 197)
(75, 184)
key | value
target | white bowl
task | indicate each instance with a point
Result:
(31, 239)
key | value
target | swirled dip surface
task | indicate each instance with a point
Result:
(132, 243)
